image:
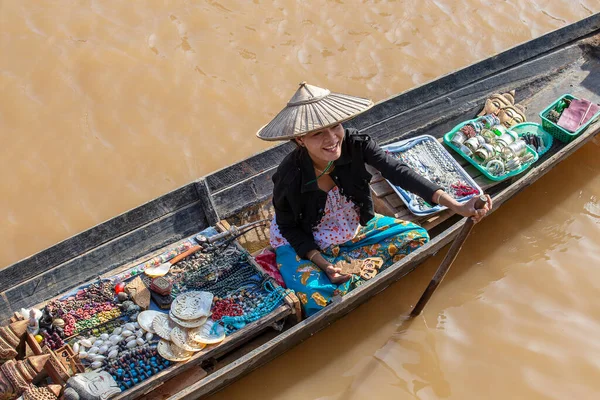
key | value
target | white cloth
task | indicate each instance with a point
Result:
(339, 224)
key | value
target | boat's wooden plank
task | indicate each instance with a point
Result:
(394, 200)
(493, 66)
(239, 196)
(110, 255)
(436, 219)
(207, 202)
(247, 168)
(96, 236)
(212, 351)
(381, 188)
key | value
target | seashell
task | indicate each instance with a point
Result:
(139, 333)
(126, 333)
(132, 344)
(149, 336)
(113, 354)
(117, 331)
(129, 327)
(103, 349)
(99, 358)
(93, 350)
(76, 348)
(140, 341)
(104, 336)
(114, 339)
(83, 354)
(115, 347)
(92, 339)
(136, 325)
(86, 343)
(96, 364)
(130, 339)
(98, 343)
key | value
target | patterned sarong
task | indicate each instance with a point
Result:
(385, 237)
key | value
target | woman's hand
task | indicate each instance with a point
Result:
(468, 209)
(334, 274)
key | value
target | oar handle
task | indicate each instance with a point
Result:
(448, 260)
(183, 255)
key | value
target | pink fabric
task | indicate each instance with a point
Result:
(268, 261)
(339, 224)
(577, 114)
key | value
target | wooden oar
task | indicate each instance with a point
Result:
(448, 260)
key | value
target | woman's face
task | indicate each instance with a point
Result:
(324, 145)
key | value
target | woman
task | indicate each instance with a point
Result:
(323, 206)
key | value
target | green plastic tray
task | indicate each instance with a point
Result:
(523, 127)
(559, 133)
(448, 137)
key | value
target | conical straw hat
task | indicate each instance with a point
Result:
(310, 109)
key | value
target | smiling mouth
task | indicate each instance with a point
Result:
(332, 147)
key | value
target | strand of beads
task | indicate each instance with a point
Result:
(268, 304)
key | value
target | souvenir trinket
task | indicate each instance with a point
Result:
(370, 267)
(190, 323)
(512, 115)
(138, 292)
(92, 386)
(516, 149)
(161, 286)
(10, 339)
(145, 319)
(181, 338)
(41, 393)
(209, 333)
(459, 138)
(169, 351)
(162, 326)
(351, 266)
(192, 305)
(497, 102)
(16, 376)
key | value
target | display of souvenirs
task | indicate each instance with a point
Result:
(426, 156)
(105, 337)
(489, 145)
(571, 113)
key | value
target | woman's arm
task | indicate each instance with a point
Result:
(286, 221)
(396, 172)
(466, 209)
(334, 273)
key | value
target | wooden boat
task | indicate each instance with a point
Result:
(563, 61)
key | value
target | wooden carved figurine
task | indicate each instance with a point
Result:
(10, 338)
(91, 386)
(512, 115)
(16, 376)
(42, 393)
(497, 102)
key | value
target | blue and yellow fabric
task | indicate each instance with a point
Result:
(385, 237)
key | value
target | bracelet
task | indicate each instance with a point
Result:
(311, 257)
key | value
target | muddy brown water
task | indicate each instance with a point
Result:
(106, 105)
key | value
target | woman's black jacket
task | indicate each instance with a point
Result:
(299, 203)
